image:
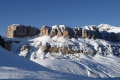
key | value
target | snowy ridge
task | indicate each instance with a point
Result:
(109, 28)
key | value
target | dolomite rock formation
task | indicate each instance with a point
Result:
(53, 32)
(91, 32)
(45, 30)
(77, 32)
(20, 31)
(68, 32)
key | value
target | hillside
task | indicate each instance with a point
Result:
(61, 52)
(15, 67)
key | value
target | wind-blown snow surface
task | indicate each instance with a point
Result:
(58, 66)
(15, 67)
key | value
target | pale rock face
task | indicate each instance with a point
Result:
(20, 31)
(91, 32)
(59, 34)
(45, 31)
(59, 30)
(84, 34)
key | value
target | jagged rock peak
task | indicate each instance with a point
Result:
(103, 31)
(20, 31)
(45, 30)
(91, 31)
(59, 30)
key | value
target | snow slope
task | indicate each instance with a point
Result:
(14, 67)
(75, 64)
(97, 66)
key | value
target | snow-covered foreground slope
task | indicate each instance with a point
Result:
(97, 66)
(14, 67)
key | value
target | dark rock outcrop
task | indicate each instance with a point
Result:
(94, 33)
(20, 31)
(53, 32)
(113, 37)
(2, 42)
(45, 47)
(6, 44)
(68, 32)
(32, 31)
(77, 32)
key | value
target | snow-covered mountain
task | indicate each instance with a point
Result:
(59, 54)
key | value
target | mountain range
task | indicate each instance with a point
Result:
(60, 52)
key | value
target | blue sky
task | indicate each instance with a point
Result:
(72, 13)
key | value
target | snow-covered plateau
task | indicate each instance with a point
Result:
(61, 58)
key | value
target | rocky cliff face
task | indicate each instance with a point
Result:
(20, 31)
(59, 30)
(45, 30)
(90, 32)
(62, 39)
